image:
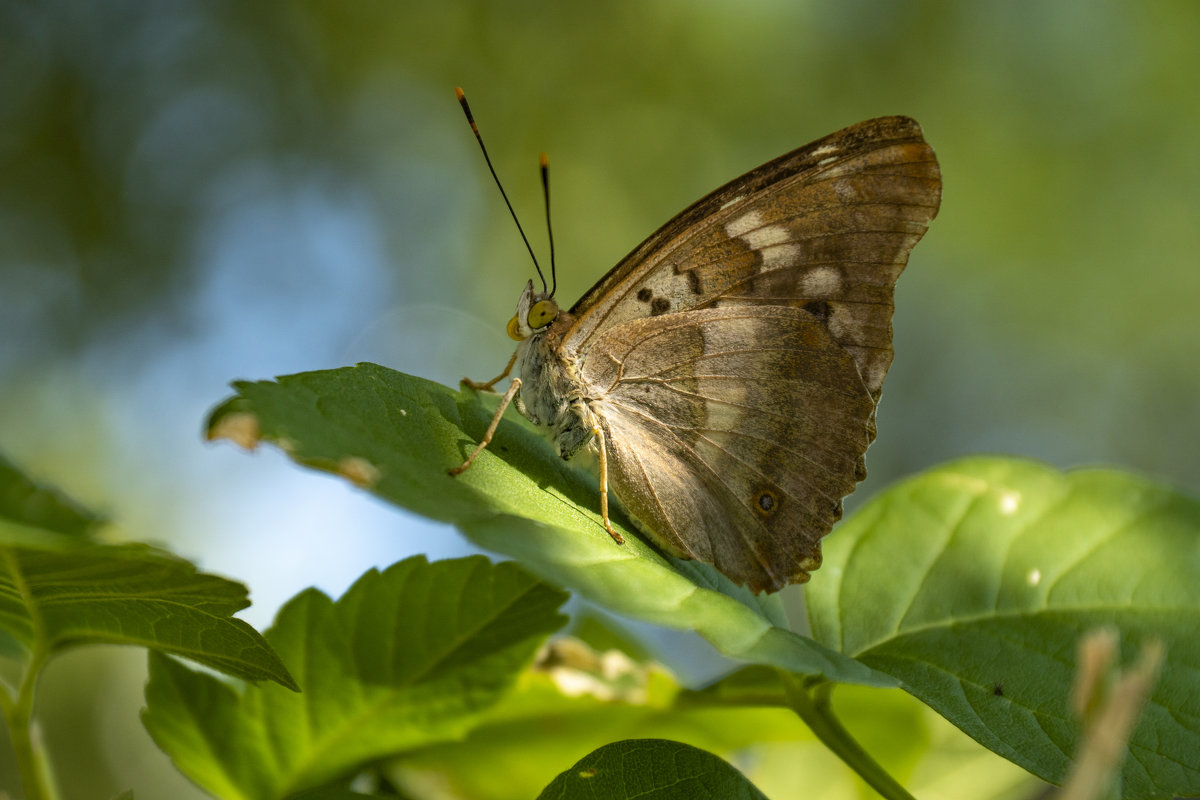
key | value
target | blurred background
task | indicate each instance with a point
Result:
(197, 192)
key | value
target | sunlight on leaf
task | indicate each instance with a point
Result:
(973, 582)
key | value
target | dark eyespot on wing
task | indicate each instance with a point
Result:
(818, 308)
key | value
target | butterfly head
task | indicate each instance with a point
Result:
(535, 312)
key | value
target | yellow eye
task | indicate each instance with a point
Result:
(542, 313)
(514, 329)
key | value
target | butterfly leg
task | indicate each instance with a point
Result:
(513, 388)
(598, 432)
(487, 387)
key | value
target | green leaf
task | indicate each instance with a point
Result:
(407, 657)
(25, 502)
(398, 435)
(650, 769)
(130, 595)
(58, 590)
(973, 583)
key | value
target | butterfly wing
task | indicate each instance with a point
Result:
(827, 227)
(736, 356)
(739, 462)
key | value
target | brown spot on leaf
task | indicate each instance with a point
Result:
(240, 427)
(359, 471)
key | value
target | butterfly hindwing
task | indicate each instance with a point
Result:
(739, 463)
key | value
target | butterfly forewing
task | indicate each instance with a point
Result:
(827, 227)
(735, 357)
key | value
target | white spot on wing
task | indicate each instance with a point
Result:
(873, 374)
(749, 221)
(822, 282)
(779, 256)
(847, 192)
(766, 236)
(728, 203)
(773, 242)
(825, 150)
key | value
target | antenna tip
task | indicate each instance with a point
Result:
(543, 160)
(462, 101)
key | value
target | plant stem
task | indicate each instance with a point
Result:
(817, 712)
(32, 761)
(27, 746)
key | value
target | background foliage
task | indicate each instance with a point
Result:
(195, 191)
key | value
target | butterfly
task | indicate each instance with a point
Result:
(727, 371)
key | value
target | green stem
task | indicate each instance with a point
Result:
(30, 754)
(817, 712)
(32, 761)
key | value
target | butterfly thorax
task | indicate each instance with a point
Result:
(551, 391)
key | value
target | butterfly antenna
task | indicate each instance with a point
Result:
(544, 163)
(462, 100)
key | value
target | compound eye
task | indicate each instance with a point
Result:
(514, 329)
(542, 314)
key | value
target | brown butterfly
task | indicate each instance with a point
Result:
(726, 372)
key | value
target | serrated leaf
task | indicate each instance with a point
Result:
(407, 657)
(973, 583)
(59, 589)
(651, 769)
(519, 499)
